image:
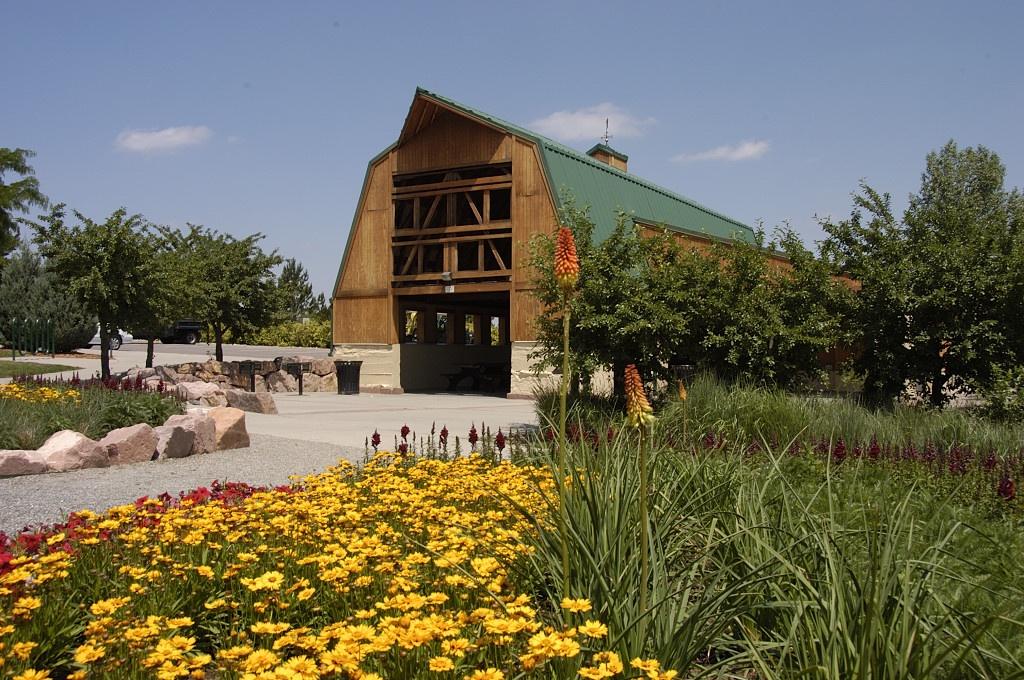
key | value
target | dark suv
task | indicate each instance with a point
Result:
(186, 331)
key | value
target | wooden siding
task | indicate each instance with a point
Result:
(362, 304)
(364, 320)
(533, 212)
(452, 141)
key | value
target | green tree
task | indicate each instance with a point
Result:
(235, 289)
(171, 294)
(17, 196)
(940, 299)
(296, 292)
(730, 309)
(106, 266)
(28, 290)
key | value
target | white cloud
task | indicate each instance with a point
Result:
(588, 123)
(168, 139)
(744, 151)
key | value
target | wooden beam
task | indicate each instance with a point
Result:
(467, 274)
(472, 205)
(481, 287)
(408, 260)
(492, 228)
(450, 239)
(413, 190)
(497, 255)
(361, 293)
(487, 207)
(433, 209)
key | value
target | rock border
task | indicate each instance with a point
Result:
(182, 435)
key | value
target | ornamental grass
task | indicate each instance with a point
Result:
(399, 569)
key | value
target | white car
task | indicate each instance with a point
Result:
(116, 339)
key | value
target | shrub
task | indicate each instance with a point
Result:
(313, 333)
(1004, 399)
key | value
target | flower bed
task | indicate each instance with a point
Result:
(32, 409)
(402, 569)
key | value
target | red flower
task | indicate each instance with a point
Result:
(443, 435)
(1007, 490)
(404, 431)
(499, 440)
(375, 440)
(473, 437)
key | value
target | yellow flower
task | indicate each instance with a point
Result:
(25, 605)
(88, 653)
(260, 660)
(32, 675)
(576, 606)
(21, 650)
(440, 664)
(489, 674)
(594, 629)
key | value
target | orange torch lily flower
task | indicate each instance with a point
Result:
(638, 409)
(567, 264)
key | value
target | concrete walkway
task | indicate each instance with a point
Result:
(347, 420)
(133, 355)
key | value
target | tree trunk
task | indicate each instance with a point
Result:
(149, 352)
(104, 351)
(938, 398)
(619, 379)
(218, 334)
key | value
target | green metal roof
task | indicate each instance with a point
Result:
(606, 190)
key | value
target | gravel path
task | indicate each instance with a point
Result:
(47, 498)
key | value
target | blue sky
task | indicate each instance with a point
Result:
(267, 113)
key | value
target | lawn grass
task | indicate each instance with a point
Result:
(11, 369)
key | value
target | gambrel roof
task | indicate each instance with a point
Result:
(603, 188)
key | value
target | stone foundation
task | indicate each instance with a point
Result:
(525, 380)
(381, 369)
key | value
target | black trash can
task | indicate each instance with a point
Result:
(348, 376)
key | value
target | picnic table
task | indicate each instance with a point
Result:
(489, 374)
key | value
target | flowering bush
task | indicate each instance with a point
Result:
(399, 570)
(33, 408)
(36, 393)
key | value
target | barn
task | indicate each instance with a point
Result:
(434, 288)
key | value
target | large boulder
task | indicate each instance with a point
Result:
(186, 368)
(324, 366)
(14, 463)
(261, 384)
(134, 444)
(213, 367)
(168, 374)
(144, 372)
(173, 441)
(329, 383)
(310, 382)
(282, 381)
(202, 427)
(205, 393)
(256, 402)
(231, 432)
(70, 450)
(294, 359)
